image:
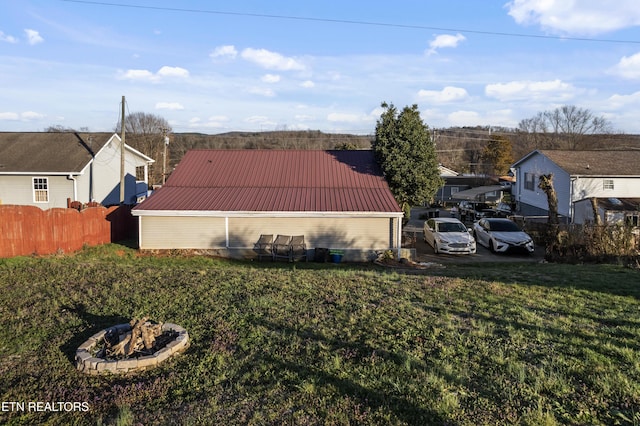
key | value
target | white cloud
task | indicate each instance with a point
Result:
(30, 115)
(173, 72)
(464, 118)
(619, 101)
(308, 84)
(448, 94)
(444, 40)
(262, 91)
(343, 117)
(33, 37)
(628, 67)
(173, 106)
(576, 16)
(138, 75)
(261, 120)
(271, 60)
(146, 75)
(228, 51)
(9, 116)
(219, 118)
(7, 38)
(213, 122)
(552, 90)
(23, 116)
(270, 78)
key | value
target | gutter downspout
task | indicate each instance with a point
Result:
(75, 186)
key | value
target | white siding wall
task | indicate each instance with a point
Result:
(589, 187)
(19, 190)
(106, 174)
(181, 232)
(338, 233)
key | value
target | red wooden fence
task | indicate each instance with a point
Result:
(26, 230)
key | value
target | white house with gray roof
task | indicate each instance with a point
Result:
(577, 176)
(49, 169)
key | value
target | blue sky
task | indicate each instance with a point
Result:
(212, 67)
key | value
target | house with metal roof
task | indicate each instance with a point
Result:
(224, 200)
(577, 176)
(52, 169)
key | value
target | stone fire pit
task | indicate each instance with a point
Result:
(124, 348)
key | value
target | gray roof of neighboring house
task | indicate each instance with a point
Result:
(593, 163)
(48, 152)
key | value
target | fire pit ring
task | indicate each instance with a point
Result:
(88, 363)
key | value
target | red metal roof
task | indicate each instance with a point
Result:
(275, 180)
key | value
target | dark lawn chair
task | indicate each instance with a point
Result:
(281, 248)
(264, 246)
(298, 248)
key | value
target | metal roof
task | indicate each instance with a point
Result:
(274, 181)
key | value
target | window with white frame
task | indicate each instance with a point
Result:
(140, 173)
(41, 190)
(607, 184)
(529, 181)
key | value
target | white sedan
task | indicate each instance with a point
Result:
(448, 235)
(501, 235)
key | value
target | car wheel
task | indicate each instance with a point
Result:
(491, 247)
(435, 247)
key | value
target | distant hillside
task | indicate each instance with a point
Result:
(458, 148)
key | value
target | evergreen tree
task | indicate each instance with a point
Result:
(407, 156)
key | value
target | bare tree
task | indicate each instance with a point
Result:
(145, 132)
(564, 127)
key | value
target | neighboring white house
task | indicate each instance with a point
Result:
(224, 200)
(577, 176)
(51, 169)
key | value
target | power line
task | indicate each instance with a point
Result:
(348, 22)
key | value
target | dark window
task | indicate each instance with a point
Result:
(529, 181)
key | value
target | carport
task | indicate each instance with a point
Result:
(477, 194)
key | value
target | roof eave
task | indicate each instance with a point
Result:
(219, 213)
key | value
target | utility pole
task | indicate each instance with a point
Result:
(122, 156)
(165, 139)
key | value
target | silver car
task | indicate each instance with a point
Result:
(448, 235)
(501, 235)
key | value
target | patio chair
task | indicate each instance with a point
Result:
(264, 246)
(281, 248)
(298, 248)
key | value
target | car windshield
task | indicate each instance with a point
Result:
(504, 226)
(451, 227)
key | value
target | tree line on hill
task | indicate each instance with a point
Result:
(477, 149)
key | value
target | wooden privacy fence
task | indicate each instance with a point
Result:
(26, 230)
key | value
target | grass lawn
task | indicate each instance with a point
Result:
(326, 344)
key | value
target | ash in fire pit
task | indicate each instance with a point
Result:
(141, 344)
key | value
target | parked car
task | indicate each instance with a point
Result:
(474, 210)
(501, 235)
(448, 235)
(503, 210)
